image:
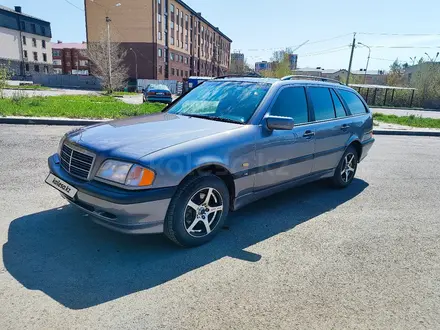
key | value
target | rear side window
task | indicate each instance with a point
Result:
(322, 103)
(339, 108)
(292, 102)
(353, 102)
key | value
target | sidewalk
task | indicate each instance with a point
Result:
(405, 112)
(395, 129)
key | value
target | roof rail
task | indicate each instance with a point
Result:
(292, 77)
(248, 75)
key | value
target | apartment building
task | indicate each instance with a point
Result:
(70, 58)
(167, 38)
(25, 42)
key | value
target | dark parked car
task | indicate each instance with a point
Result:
(157, 93)
(225, 144)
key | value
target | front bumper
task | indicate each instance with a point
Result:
(127, 211)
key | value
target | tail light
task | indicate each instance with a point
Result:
(168, 94)
(151, 93)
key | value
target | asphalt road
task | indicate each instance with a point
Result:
(367, 257)
(402, 113)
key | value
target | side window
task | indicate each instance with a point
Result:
(339, 108)
(291, 102)
(322, 103)
(353, 102)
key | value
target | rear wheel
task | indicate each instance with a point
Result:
(197, 211)
(346, 170)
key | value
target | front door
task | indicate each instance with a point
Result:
(284, 155)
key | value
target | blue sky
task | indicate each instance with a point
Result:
(258, 27)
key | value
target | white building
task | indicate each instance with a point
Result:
(25, 42)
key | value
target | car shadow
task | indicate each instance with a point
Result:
(80, 264)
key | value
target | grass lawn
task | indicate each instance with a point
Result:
(78, 106)
(411, 120)
(27, 87)
(123, 93)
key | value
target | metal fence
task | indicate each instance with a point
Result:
(67, 81)
(171, 84)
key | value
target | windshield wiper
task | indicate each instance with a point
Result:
(216, 118)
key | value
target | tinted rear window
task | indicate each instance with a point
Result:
(354, 103)
(339, 108)
(322, 103)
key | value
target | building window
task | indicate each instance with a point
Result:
(177, 15)
(186, 46)
(34, 42)
(159, 35)
(46, 69)
(186, 73)
(23, 26)
(35, 56)
(160, 69)
(25, 54)
(56, 52)
(173, 71)
(83, 63)
(33, 28)
(58, 71)
(181, 58)
(172, 56)
(181, 73)
(172, 9)
(177, 72)
(36, 68)
(172, 25)
(43, 44)
(24, 40)
(44, 57)
(159, 18)
(159, 52)
(57, 62)
(27, 66)
(172, 40)
(43, 30)
(186, 60)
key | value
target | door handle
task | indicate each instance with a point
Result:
(308, 134)
(345, 126)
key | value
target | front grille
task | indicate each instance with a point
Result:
(77, 162)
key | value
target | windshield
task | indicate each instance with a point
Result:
(222, 100)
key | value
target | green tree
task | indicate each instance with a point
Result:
(5, 74)
(396, 76)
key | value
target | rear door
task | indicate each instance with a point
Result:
(283, 155)
(332, 127)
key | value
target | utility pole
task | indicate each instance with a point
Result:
(351, 58)
(136, 61)
(368, 59)
(108, 20)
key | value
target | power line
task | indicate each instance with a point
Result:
(406, 47)
(72, 4)
(401, 34)
(382, 59)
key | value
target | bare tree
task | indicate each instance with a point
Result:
(99, 53)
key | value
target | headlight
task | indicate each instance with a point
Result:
(126, 173)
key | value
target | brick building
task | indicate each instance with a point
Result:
(170, 39)
(69, 58)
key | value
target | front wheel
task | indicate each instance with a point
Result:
(197, 211)
(346, 170)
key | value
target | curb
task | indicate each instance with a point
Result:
(49, 121)
(405, 133)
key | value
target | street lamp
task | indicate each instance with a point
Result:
(368, 59)
(136, 61)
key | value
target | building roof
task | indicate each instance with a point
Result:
(319, 70)
(203, 19)
(369, 72)
(61, 45)
(22, 14)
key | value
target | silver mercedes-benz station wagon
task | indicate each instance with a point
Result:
(228, 142)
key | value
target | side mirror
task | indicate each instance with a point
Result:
(279, 123)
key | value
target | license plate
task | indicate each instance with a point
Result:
(61, 185)
(159, 93)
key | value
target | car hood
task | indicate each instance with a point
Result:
(139, 136)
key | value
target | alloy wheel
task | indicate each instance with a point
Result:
(203, 212)
(348, 167)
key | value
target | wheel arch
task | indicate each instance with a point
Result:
(218, 170)
(357, 145)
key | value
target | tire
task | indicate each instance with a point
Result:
(340, 179)
(197, 211)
